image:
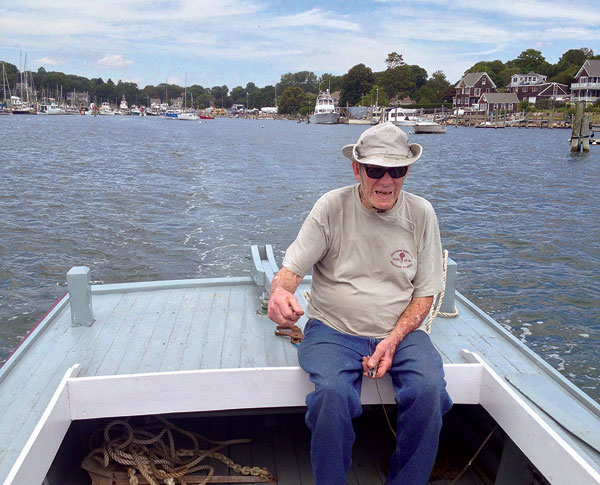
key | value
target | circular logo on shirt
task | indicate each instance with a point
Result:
(402, 259)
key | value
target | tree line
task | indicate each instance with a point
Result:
(297, 92)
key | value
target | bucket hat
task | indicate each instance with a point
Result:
(384, 145)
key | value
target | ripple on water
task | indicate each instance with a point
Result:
(142, 199)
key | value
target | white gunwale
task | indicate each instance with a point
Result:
(256, 388)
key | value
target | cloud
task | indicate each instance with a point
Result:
(47, 61)
(114, 60)
(316, 17)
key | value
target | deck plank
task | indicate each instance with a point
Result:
(200, 324)
(182, 326)
(160, 327)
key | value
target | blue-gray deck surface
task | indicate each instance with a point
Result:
(212, 324)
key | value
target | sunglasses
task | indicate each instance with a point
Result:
(375, 172)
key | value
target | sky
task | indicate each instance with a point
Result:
(234, 42)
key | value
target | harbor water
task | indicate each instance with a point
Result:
(140, 199)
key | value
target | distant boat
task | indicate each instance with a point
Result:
(20, 107)
(106, 110)
(51, 109)
(402, 116)
(123, 108)
(188, 116)
(428, 127)
(325, 113)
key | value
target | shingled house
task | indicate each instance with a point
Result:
(533, 86)
(470, 88)
(587, 87)
(491, 102)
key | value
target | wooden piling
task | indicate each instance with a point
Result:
(577, 125)
(585, 132)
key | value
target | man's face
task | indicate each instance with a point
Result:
(380, 194)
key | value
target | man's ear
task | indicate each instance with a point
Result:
(356, 170)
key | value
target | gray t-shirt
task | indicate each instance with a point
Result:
(367, 266)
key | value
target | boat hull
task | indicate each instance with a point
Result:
(325, 118)
(429, 128)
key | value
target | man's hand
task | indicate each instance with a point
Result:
(382, 358)
(283, 306)
(412, 316)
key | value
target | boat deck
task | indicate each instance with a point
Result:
(214, 324)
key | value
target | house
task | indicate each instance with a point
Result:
(587, 87)
(470, 88)
(533, 86)
(529, 78)
(534, 92)
(491, 102)
(336, 97)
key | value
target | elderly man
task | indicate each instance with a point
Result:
(376, 256)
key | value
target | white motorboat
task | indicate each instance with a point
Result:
(106, 109)
(325, 113)
(51, 109)
(424, 126)
(402, 116)
(188, 116)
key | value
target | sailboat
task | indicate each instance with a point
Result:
(187, 115)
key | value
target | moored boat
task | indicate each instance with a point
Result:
(198, 347)
(188, 116)
(325, 113)
(428, 127)
(402, 116)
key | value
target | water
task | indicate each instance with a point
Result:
(143, 199)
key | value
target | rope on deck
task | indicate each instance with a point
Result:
(144, 450)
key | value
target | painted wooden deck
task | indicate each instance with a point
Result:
(213, 324)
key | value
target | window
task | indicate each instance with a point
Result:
(583, 79)
(477, 91)
(468, 91)
(483, 80)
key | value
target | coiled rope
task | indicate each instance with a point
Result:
(150, 450)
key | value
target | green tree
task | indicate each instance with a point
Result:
(291, 100)
(531, 60)
(357, 81)
(374, 97)
(394, 60)
(333, 83)
(220, 96)
(265, 97)
(305, 80)
(575, 56)
(238, 95)
(399, 81)
(308, 104)
(566, 75)
(420, 76)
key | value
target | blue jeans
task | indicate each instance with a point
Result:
(334, 362)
